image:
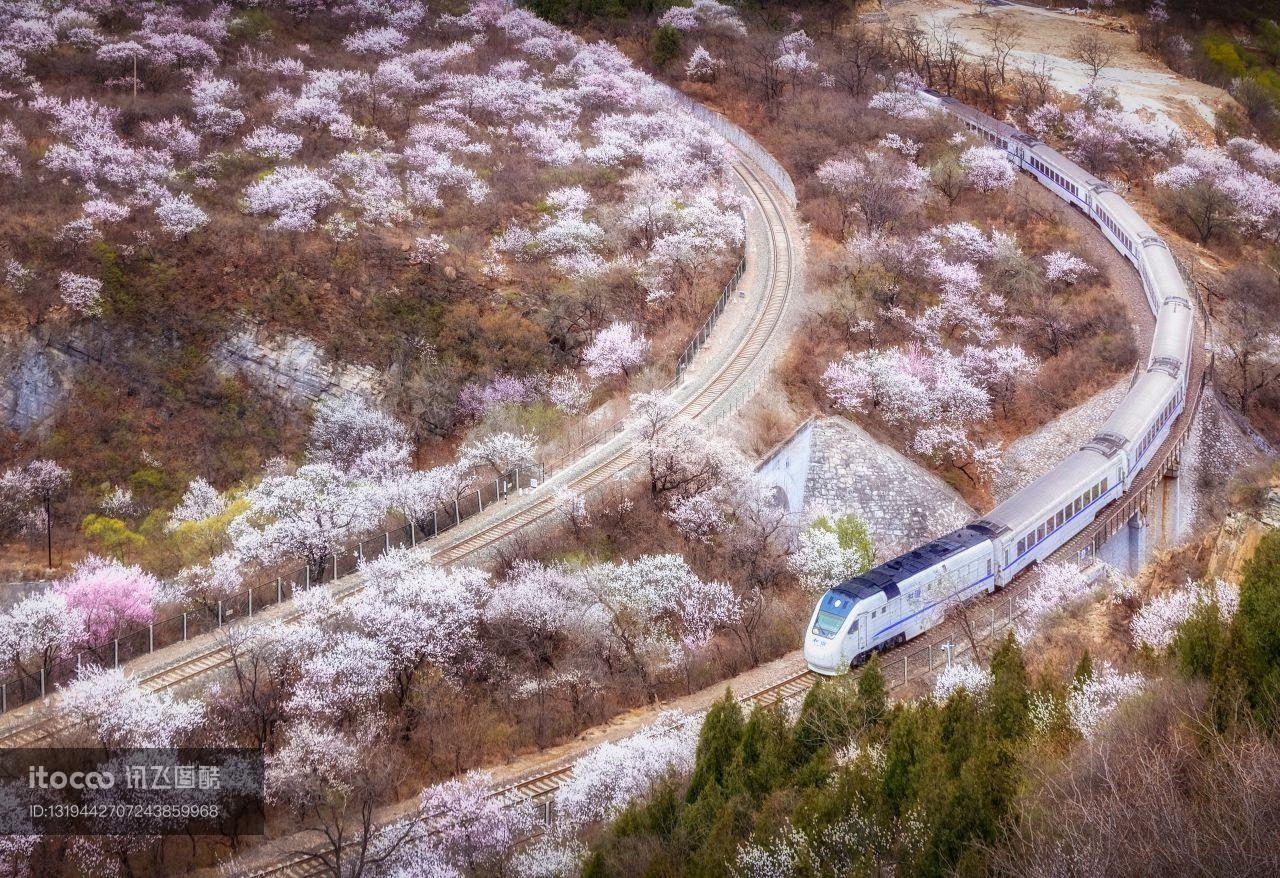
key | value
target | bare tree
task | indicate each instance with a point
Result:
(1034, 84)
(253, 703)
(756, 64)
(1248, 340)
(1091, 50)
(949, 178)
(856, 59)
(1004, 34)
(985, 73)
(1158, 793)
(1208, 208)
(947, 57)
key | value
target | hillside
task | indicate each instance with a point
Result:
(442, 215)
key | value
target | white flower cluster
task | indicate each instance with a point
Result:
(1157, 623)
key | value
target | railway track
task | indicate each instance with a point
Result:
(919, 659)
(704, 401)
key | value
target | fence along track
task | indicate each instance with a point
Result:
(779, 291)
(454, 545)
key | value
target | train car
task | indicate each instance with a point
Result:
(1171, 343)
(909, 595)
(1142, 419)
(1060, 176)
(898, 600)
(1161, 278)
(1042, 517)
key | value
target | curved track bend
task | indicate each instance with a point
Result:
(719, 380)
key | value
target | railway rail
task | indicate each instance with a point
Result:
(703, 401)
(918, 660)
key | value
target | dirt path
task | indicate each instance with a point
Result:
(1141, 82)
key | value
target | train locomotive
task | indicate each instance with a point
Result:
(906, 596)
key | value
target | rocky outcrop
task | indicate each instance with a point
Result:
(293, 370)
(34, 380)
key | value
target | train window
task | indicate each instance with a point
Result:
(1104, 486)
(1060, 519)
(1076, 507)
(1022, 545)
(988, 566)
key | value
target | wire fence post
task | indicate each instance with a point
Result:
(480, 500)
(117, 643)
(42, 680)
(279, 591)
(250, 602)
(219, 614)
(151, 635)
(184, 625)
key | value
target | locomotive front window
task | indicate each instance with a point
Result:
(832, 612)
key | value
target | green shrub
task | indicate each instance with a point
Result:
(665, 46)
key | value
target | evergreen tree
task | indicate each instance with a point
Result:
(1199, 640)
(665, 46)
(1009, 695)
(872, 694)
(717, 745)
(1257, 625)
(1084, 670)
(903, 752)
(762, 755)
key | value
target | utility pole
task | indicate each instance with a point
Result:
(48, 527)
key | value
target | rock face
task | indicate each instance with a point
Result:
(36, 379)
(1031, 456)
(294, 370)
(832, 465)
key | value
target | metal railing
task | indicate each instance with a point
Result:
(141, 640)
(138, 641)
(24, 688)
(704, 332)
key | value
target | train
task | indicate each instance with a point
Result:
(910, 594)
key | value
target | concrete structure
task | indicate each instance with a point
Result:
(831, 465)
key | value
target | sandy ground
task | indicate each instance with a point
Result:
(1140, 81)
